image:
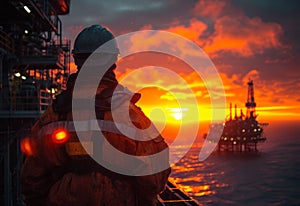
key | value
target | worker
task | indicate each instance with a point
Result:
(66, 174)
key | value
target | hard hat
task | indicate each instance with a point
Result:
(92, 37)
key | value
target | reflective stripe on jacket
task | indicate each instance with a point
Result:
(93, 188)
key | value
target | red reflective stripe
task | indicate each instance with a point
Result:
(60, 136)
(26, 146)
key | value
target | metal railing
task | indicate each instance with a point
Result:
(45, 100)
(29, 100)
(6, 42)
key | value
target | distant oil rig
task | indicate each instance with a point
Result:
(244, 132)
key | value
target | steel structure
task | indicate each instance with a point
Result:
(250, 104)
(242, 133)
(34, 65)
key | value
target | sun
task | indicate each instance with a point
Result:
(177, 113)
(177, 116)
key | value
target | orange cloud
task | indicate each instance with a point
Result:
(192, 32)
(212, 9)
(232, 31)
(244, 36)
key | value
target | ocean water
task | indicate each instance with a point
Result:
(269, 177)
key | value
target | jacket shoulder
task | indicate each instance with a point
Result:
(47, 117)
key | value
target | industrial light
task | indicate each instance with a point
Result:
(17, 74)
(26, 31)
(53, 90)
(23, 77)
(27, 9)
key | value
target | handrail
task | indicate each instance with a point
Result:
(7, 42)
(29, 100)
(45, 99)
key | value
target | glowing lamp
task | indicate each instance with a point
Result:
(26, 146)
(60, 136)
(27, 9)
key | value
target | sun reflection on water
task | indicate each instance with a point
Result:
(198, 179)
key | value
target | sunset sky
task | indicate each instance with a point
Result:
(244, 39)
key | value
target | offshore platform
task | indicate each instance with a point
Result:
(34, 66)
(243, 132)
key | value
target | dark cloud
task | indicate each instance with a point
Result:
(125, 16)
(269, 10)
(285, 12)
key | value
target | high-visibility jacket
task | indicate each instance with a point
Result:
(67, 175)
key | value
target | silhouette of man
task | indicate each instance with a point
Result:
(66, 174)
